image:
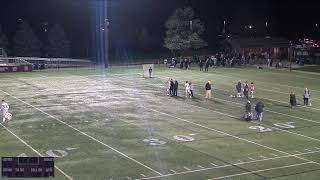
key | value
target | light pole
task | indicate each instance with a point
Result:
(106, 42)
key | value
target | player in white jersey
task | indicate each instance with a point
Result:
(187, 87)
(5, 111)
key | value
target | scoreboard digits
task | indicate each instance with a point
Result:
(25, 167)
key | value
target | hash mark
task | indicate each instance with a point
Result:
(200, 167)
(251, 158)
(274, 155)
(143, 175)
(186, 168)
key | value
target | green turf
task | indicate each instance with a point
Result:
(309, 69)
(107, 116)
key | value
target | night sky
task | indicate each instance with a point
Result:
(288, 19)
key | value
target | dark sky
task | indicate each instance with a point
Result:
(128, 17)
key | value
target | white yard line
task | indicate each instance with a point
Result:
(213, 164)
(229, 165)
(301, 135)
(241, 105)
(230, 135)
(85, 134)
(261, 170)
(34, 150)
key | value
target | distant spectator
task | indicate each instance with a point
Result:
(181, 64)
(207, 65)
(186, 64)
(187, 89)
(168, 83)
(248, 115)
(175, 90)
(208, 90)
(201, 65)
(171, 87)
(306, 97)
(246, 89)
(259, 110)
(150, 72)
(239, 88)
(191, 89)
(252, 89)
(293, 101)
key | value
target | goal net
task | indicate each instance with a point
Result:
(148, 70)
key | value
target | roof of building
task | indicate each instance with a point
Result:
(267, 42)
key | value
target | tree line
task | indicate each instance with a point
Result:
(184, 32)
(25, 43)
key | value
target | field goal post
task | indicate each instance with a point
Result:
(147, 68)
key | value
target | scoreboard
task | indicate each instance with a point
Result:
(25, 167)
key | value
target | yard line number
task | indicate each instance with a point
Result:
(286, 125)
(158, 142)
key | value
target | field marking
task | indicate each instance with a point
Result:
(263, 157)
(34, 150)
(261, 170)
(85, 134)
(143, 175)
(42, 76)
(229, 115)
(251, 158)
(283, 114)
(230, 135)
(274, 155)
(186, 168)
(230, 165)
(213, 164)
(201, 167)
(173, 171)
(301, 135)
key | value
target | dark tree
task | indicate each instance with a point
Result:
(184, 31)
(3, 40)
(26, 44)
(58, 45)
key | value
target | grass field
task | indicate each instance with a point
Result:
(114, 124)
